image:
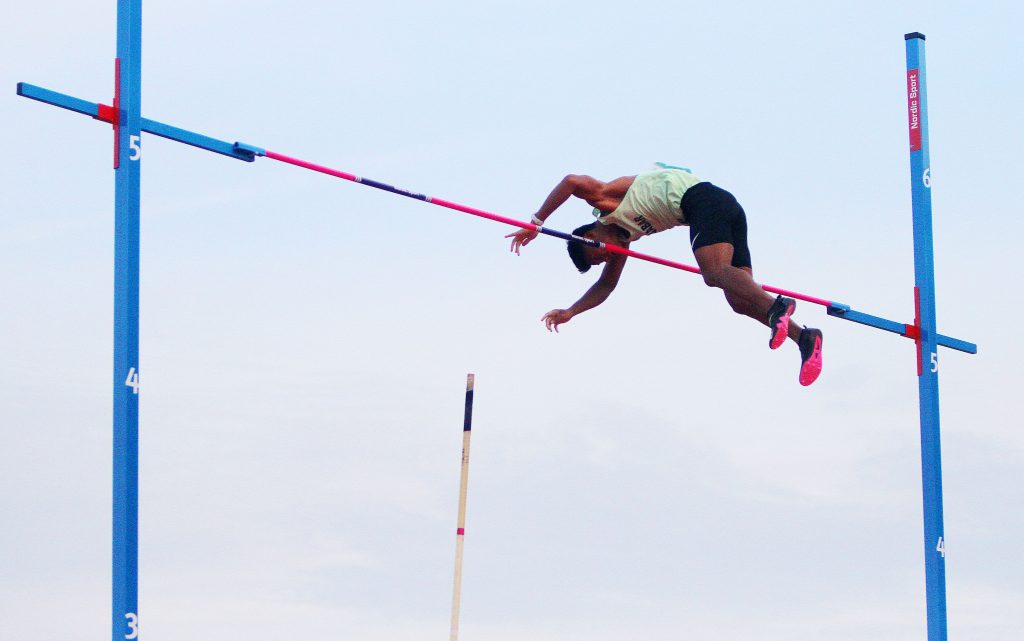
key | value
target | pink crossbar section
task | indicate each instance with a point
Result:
(483, 214)
(695, 270)
(797, 295)
(517, 223)
(312, 166)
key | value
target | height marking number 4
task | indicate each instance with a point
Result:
(133, 380)
(941, 547)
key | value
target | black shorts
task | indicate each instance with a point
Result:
(715, 216)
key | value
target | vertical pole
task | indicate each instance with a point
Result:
(927, 365)
(460, 530)
(125, 533)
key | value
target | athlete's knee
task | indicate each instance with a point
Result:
(712, 276)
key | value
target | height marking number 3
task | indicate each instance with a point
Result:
(133, 625)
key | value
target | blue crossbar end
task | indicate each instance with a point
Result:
(957, 344)
(839, 310)
(33, 92)
(250, 150)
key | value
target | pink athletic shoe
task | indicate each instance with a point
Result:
(778, 320)
(810, 355)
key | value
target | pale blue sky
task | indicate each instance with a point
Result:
(653, 472)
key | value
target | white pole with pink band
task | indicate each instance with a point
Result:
(460, 528)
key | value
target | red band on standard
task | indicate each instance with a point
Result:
(460, 531)
(914, 108)
(115, 119)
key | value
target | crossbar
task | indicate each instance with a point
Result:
(248, 153)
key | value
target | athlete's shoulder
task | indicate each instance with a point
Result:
(617, 188)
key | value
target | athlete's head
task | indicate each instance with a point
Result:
(578, 251)
(585, 256)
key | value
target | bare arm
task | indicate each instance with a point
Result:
(583, 187)
(602, 289)
(597, 294)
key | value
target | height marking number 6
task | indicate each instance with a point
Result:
(927, 178)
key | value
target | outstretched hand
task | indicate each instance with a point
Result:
(556, 317)
(521, 238)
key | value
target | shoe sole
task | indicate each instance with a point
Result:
(781, 330)
(811, 368)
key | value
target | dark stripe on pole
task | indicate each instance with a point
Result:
(467, 422)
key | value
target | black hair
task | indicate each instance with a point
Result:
(575, 248)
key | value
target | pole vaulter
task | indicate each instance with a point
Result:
(128, 124)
